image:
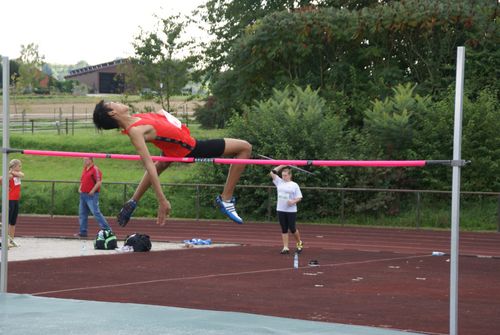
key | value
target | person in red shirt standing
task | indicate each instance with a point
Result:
(15, 175)
(90, 185)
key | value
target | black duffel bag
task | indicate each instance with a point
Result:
(140, 242)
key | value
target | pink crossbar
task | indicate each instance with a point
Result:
(377, 163)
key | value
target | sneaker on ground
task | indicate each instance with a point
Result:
(300, 246)
(285, 251)
(126, 212)
(228, 209)
(13, 243)
(125, 248)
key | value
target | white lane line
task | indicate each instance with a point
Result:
(223, 275)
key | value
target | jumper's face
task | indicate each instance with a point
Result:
(117, 107)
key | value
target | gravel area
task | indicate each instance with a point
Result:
(39, 248)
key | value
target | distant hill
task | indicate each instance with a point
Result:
(58, 71)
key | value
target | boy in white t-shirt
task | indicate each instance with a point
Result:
(289, 195)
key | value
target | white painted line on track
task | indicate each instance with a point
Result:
(224, 275)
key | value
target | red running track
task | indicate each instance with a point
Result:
(410, 241)
(377, 277)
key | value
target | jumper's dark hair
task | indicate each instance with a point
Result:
(102, 119)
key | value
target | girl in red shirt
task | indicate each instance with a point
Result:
(15, 175)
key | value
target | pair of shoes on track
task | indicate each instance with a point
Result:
(286, 251)
(226, 207)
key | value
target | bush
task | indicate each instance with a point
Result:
(206, 115)
(480, 141)
(293, 124)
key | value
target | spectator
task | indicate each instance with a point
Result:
(289, 195)
(15, 175)
(90, 185)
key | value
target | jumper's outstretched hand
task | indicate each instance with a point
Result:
(163, 212)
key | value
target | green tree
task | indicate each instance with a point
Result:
(480, 141)
(30, 68)
(156, 67)
(228, 20)
(390, 123)
(388, 134)
(59, 71)
(356, 55)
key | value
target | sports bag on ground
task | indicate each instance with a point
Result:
(140, 242)
(105, 240)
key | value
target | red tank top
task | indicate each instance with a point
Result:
(172, 137)
(15, 188)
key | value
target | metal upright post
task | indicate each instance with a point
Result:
(5, 173)
(498, 215)
(455, 196)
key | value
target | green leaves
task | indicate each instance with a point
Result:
(156, 67)
(355, 56)
(294, 123)
(360, 48)
(391, 123)
(30, 66)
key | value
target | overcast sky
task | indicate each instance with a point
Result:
(67, 31)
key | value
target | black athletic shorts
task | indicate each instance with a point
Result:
(287, 221)
(208, 148)
(13, 211)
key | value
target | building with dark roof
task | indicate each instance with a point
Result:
(101, 78)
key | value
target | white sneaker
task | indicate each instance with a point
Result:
(227, 208)
(13, 243)
(285, 251)
(125, 248)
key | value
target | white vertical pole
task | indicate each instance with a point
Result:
(455, 191)
(5, 173)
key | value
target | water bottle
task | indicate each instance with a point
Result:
(438, 253)
(296, 261)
